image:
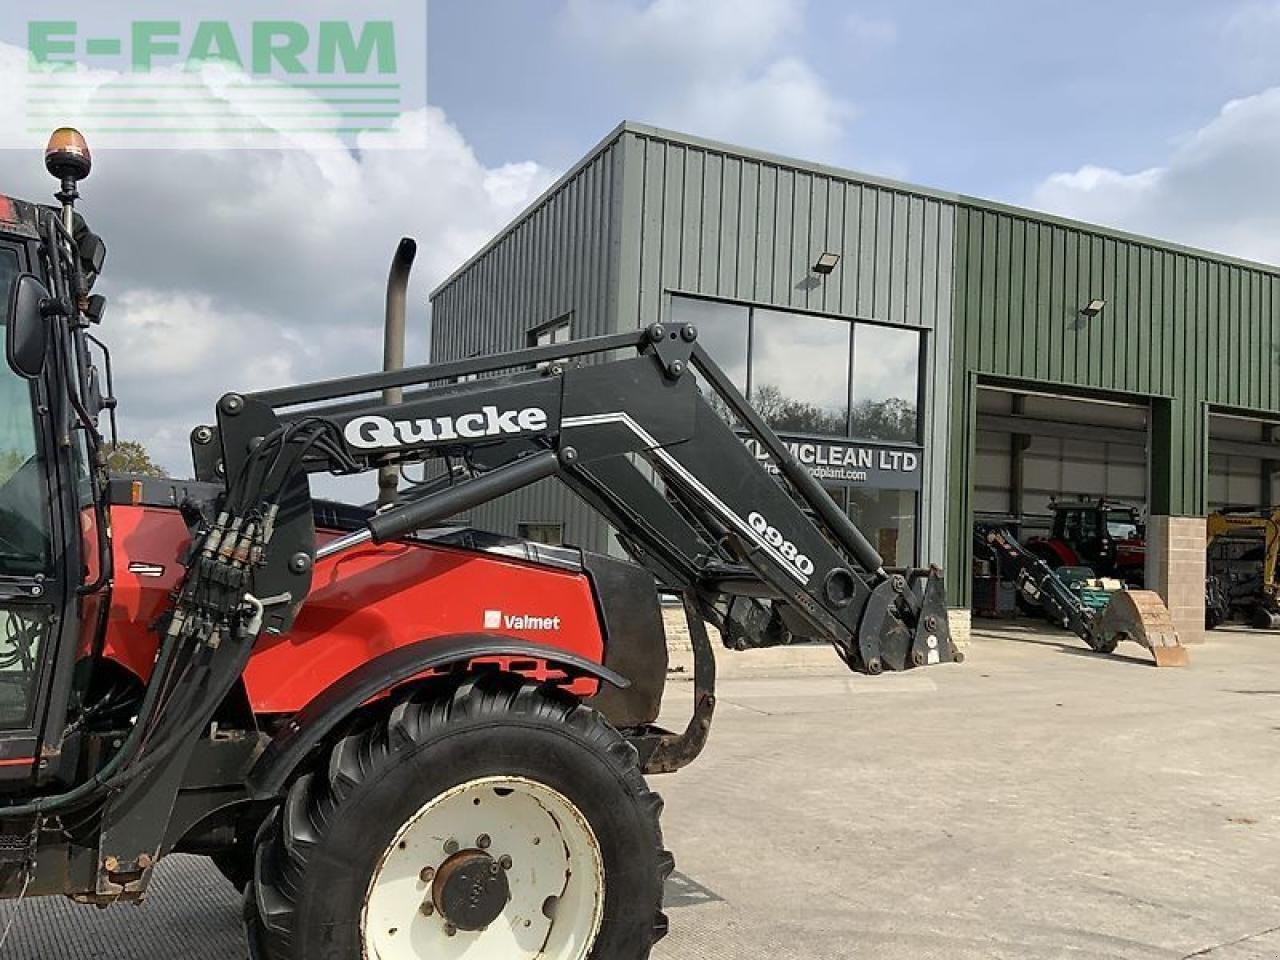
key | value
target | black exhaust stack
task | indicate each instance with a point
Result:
(393, 348)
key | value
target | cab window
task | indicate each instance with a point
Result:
(1122, 525)
(24, 532)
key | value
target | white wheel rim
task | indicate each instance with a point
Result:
(555, 876)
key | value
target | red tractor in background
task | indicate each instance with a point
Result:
(402, 738)
(1107, 536)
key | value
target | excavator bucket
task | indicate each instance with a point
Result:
(1140, 616)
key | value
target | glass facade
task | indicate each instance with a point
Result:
(724, 331)
(821, 377)
(558, 331)
(800, 372)
(888, 519)
(551, 534)
(886, 383)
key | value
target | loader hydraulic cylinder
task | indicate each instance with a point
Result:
(397, 522)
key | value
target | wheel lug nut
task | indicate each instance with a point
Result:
(451, 847)
(427, 875)
(450, 930)
(505, 862)
(427, 908)
(483, 841)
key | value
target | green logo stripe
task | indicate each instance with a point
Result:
(102, 48)
(171, 101)
(266, 84)
(186, 115)
(259, 130)
(197, 71)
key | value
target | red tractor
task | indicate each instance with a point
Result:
(1106, 536)
(401, 737)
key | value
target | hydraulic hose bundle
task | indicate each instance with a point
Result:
(207, 636)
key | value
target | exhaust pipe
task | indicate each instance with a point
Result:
(393, 349)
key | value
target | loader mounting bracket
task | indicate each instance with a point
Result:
(672, 751)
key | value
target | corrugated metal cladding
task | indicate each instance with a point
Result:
(725, 223)
(999, 291)
(1180, 328)
(558, 259)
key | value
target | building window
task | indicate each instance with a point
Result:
(800, 372)
(886, 383)
(888, 519)
(551, 534)
(557, 331)
(723, 330)
(807, 374)
(856, 384)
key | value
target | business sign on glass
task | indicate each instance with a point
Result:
(848, 463)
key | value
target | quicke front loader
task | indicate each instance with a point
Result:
(400, 737)
(1100, 611)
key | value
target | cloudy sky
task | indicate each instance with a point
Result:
(254, 267)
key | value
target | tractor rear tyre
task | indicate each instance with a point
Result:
(496, 820)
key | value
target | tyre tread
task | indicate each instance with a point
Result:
(289, 835)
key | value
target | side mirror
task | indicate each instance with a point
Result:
(27, 337)
(93, 254)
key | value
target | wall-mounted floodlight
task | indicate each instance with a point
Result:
(826, 263)
(1093, 309)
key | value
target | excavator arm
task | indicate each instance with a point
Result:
(644, 427)
(1259, 595)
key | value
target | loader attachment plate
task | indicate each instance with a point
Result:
(1140, 616)
(893, 639)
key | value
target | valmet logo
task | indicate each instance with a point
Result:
(261, 47)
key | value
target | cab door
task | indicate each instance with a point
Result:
(32, 583)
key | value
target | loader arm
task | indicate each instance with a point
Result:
(646, 429)
(1036, 580)
(1136, 615)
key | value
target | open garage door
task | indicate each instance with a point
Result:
(1068, 478)
(1244, 462)
(1033, 449)
(1243, 525)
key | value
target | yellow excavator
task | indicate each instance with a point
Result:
(1255, 593)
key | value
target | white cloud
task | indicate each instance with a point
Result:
(240, 269)
(721, 68)
(786, 107)
(1215, 190)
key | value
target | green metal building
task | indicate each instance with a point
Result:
(986, 357)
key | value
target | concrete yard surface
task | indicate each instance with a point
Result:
(1038, 801)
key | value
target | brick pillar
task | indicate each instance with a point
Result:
(1176, 570)
(960, 620)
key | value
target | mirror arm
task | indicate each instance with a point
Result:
(75, 388)
(109, 401)
(55, 307)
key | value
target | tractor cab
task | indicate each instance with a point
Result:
(53, 530)
(1107, 536)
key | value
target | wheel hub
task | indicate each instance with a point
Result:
(435, 892)
(470, 890)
